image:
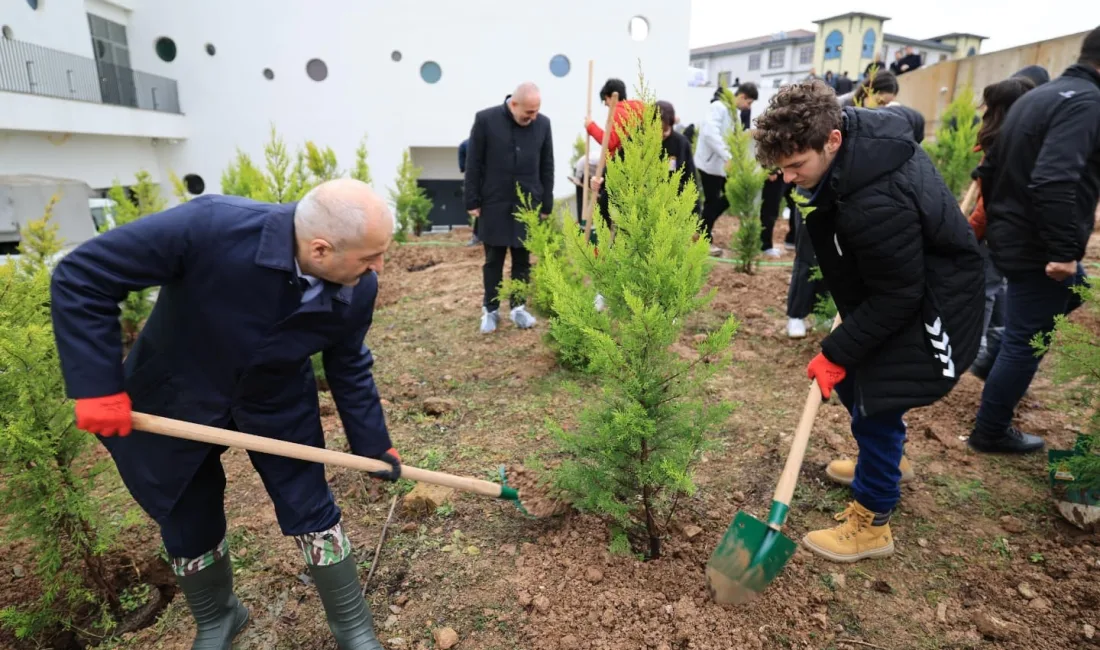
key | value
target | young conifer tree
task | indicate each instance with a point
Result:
(243, 178)
(361, 171)
(744, 183)
(952, 150)
(411, 204)
(46, 486)
(632, 454)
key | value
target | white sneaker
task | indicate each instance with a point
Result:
(522, 318)
(600, 304)
(715, 251)
(489, 320)
(796, 328)
(773, 252)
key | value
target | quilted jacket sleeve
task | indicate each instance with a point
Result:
(883, 235)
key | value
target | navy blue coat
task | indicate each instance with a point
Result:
(228, 343)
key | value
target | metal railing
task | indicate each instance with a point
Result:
(37, 70)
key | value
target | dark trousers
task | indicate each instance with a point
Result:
(881, 442)
(802, 292)
(714, 201)
(493, 273)
(298, 490)
(994, 293)
(1031, 303)
(771, 198)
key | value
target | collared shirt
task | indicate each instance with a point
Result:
(315, 284)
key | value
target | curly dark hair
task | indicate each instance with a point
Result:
(799, 117)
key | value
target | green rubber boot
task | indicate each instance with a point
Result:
(348, 616)
(219, 616)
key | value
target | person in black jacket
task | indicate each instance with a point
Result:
(509, 144)
(904, 270)
(677, 149)
(462, 147)
(1039, 185)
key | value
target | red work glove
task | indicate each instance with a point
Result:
(393, 459)
(827, 374)
(107, 416)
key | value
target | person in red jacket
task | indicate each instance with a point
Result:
(627, 112)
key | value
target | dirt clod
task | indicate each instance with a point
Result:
(1026, 590)
(692, 531)
(1012, 525)
(425, 498)
(542, 603)
(445, 638)
(1089, 631)
(439, 405)
(593, 575)
(996, 628)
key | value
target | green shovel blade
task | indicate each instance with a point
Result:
(750, 555)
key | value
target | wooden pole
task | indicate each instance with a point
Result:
(586, 176)
(970, 200)
(612, 103)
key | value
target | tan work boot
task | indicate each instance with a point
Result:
(855, 539)
(844, 471)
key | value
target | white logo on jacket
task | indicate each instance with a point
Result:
(942, 342)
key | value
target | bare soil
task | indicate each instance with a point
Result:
(983, 559)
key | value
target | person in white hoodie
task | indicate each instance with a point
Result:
(712, 155)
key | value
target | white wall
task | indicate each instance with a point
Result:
(436, 163)
(29, 113)
(96, 160)
(230, 104)
(58, 24)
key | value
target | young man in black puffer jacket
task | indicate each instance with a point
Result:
(904, 269)
(1040, 185)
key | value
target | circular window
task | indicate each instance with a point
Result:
(6, 31)
(33, 4)
(431, 72)
(639, 28)
(317, 70)
(269, 74)
(166, 49)
(195, 184)
(395, 55)
(559, 65)
(210, 49)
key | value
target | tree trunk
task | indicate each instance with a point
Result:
(84, 542)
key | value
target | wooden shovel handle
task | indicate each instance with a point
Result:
(970, 199)
(785, 489)
(589, 209)
(215, 436)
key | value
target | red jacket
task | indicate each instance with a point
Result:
(977, 216)
(623, 112)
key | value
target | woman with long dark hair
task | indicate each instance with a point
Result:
(997, 98)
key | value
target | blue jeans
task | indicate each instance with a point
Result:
(1030, 304)
(881, 440)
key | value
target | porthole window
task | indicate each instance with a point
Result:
(395, 55)
(431, 72)
(559, 65)
(6, 31)
(166, 49)
(210, 49)
(639, 28)
(195, 184)
(317, 70)
(33, 4)
(269, 74)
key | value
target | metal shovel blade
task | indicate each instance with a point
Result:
(747, 559)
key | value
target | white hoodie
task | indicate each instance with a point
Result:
(711, 152)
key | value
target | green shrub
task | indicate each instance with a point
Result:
(952, 150)
(143, 199)
(744, 184)
(411, 204)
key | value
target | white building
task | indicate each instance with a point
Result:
(768, 61)
(95, 90)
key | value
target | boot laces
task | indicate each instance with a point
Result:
(854, 519)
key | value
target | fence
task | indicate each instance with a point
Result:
(37, 70)
(931, 88)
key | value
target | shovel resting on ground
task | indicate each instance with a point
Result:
(752, 553)
(215, 436)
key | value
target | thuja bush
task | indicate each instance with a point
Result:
(632, 453)
(554, 253)
(144, 198)
(744, 184)
(411, 204)
(45, 488)
(1074, 350)
(952, 150)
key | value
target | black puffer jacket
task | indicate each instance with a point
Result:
(901, 263)
(1041, 180)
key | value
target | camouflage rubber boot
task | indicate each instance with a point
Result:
(348, 616)
(208, 587)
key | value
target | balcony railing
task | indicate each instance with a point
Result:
(37, 70)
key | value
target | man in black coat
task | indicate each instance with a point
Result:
(509, 144)
(1040, 184)
(904, 270)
